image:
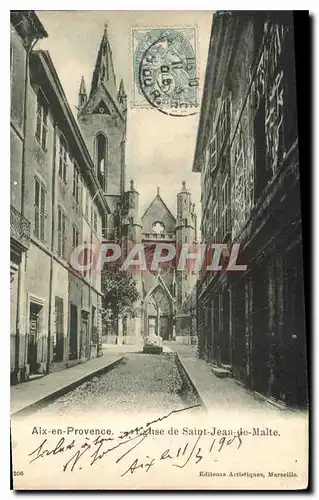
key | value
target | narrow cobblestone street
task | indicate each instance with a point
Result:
(140, 382)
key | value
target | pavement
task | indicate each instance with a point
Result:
(27, 396)
(220, 393)
(38, 392)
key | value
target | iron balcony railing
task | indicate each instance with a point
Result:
(19, 228)
(158, 236)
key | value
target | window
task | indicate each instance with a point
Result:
(122, 166)
(94, 327)
(261, 173)
(11, 64)
(226, 207)
(223, 124)
(85, 259)
(213, 154)
(76, 182)
(39, 210)
(101, 157)
(104, 226)
(58, 337)
(259, 27)
(42, 121)
(63, 159)
(215, 223)
(61, 233)
(290, 124)
(75, 237)
(94, 220)
(86, 204)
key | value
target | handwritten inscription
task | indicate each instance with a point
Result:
(94, 450)
(129, 448)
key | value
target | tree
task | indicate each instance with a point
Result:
(119, 294)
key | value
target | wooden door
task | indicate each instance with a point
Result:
(73, 333)
(164, 328)
(33, 338)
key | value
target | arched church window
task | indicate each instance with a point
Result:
(158, 227)
(101, 159)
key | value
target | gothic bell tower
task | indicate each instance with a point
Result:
(102, 117)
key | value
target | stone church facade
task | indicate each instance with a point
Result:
(165, 294)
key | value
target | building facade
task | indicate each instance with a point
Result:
(26, 30)
(166, 293)
(251, 323)
(55, 310)
(165, 308)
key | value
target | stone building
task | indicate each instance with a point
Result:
(164, 293)
(26, 30)
(57, 203)
(251, 324)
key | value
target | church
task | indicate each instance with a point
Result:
(167, 306)
(102, 117)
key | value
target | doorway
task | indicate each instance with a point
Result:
(294, 372)
(34, 328)
(239, 351)
(164, 328)
(152, 325)
(225, 348)
(260, 328)
(73, 336)
(85, 344)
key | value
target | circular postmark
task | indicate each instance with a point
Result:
(165, 72)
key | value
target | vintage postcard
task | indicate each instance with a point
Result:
(158, 333)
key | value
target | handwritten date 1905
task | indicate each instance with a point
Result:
(181, 456)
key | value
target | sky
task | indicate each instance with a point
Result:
(160, 148)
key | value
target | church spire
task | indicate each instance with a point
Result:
(82, 98)
(121, 95)
(104, 69)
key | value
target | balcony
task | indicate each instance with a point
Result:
(19, 229)
(158, 236)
